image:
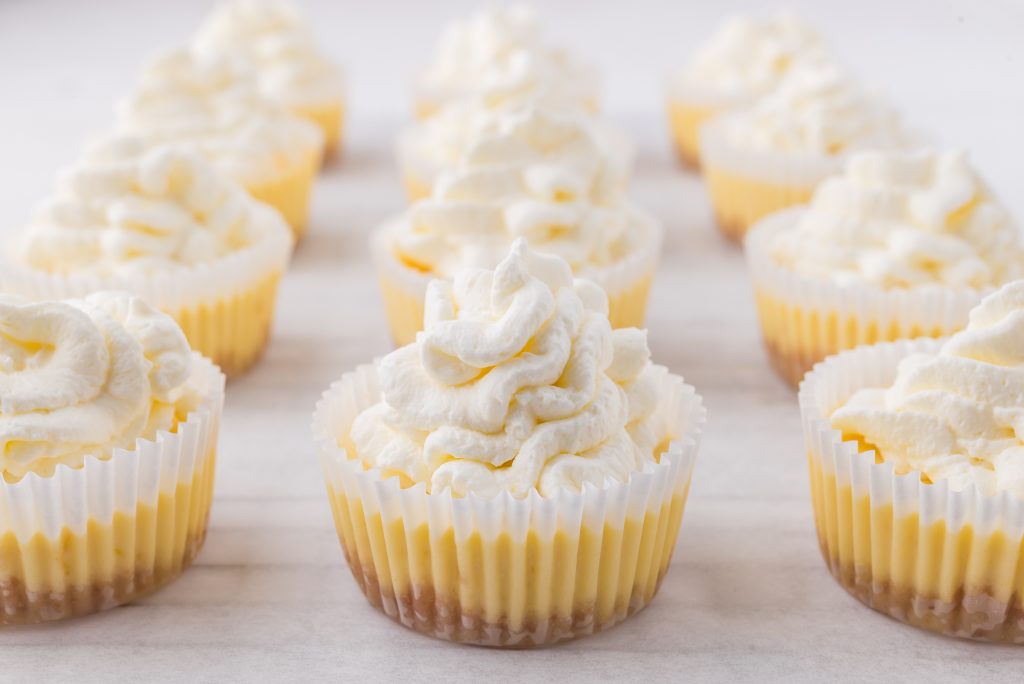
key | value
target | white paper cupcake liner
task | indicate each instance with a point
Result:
(504, 571)
(95, 537)
(944, 560)
(804, 318)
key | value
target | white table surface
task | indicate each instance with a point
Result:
(270, 599)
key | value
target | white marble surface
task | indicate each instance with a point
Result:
(269, 599)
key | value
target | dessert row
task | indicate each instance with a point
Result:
(515, 472)
(195, 194)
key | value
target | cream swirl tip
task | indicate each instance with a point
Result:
(748, 55)
(517, 384)
(79, 378)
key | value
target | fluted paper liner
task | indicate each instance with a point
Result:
(804, 319)
(225, 307)
(944, 560)
(404, 289)
(746, 185)
(92, 538)
(506, 572)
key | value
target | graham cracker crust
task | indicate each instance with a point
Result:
(733, 228)
(790, 367)
(977, 615)
(424, 612)
(19, 606)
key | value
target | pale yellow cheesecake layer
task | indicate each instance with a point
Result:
(685, 120)
(291, 191)
(110, 562)
(950, 580)
(404, 308)
(796, 338)
(739, 201)
(232, 331)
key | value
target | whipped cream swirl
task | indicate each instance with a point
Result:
(536, 174)
(213, 102)
(442, 141)
(123, 210)
(80, 378)
(905, 219)
(957, 415)
(816, 109)
(749, 56)
(501, 53)
(277, 40)
(517, 383)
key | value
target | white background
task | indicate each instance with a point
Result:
(269, 598)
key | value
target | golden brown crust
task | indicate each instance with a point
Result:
(790, 367)
(19, 606)
(443, 618)
(976, 615)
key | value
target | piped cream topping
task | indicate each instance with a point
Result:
(124, 210)
(958, 415)
(817, 109)
(518, 383)
(278, 41)
(442, 141)
(501, 52)
(79, 378)
(536, 174)
(905, 219)
(213, 102)
(749, 56)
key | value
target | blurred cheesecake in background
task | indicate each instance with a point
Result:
(291, 68)
(502, 50)
(748, 57)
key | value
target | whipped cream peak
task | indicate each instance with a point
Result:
(818, 109)
(441, 141)
(213, 102)
(956, 415)
(471, 46)
(126, 209)
(501, 53)
(279, 43)
(534, 173)
(79, 378)
(749, 55)
(905, 219)
(516, 384)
